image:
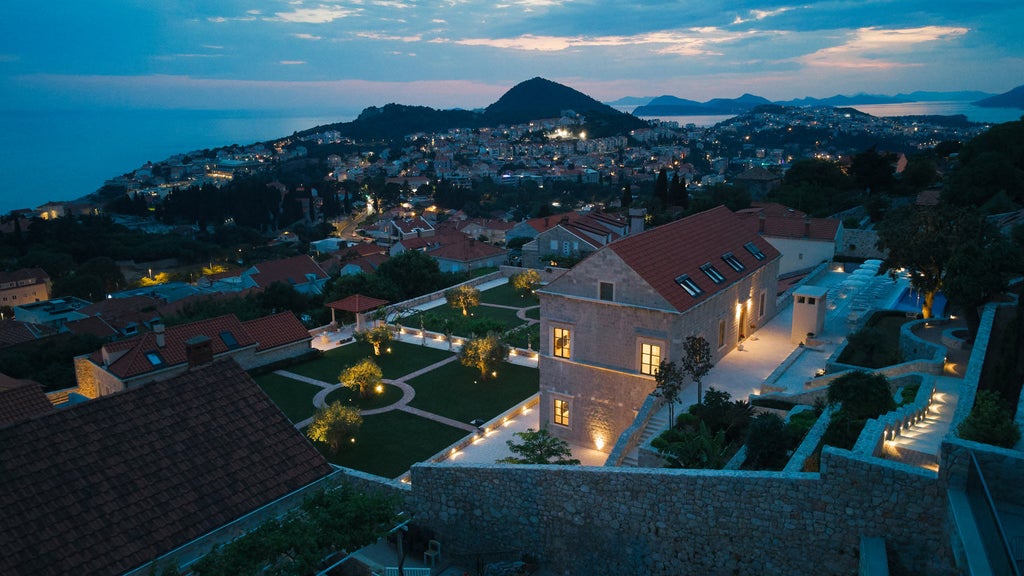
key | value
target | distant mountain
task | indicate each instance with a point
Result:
(1012, 99)
(672, 106)
(631, 101)
(530, 100)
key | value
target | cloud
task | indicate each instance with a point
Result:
(307, 37)
(322, 14)
(692, 42)
(292, 62)
(379, 36)
(879, 48)
(761, 15)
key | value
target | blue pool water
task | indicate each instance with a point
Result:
(911, 299)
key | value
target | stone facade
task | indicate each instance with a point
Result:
(647, 521)
(602, 378)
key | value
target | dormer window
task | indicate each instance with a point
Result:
(689, 285)
(754, 250)
(712, 273)
(229, 339)
(733, 262)
(154, 358)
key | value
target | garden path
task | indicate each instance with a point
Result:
(408, 393)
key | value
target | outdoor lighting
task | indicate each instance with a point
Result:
(494, 374)
(599, 442)
(389, 350)
(379, 388)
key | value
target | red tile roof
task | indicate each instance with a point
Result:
(290, 271)
(357, 303)
(776, 220)
(37, 274)
(465, 250)
(662, 254)
(107, 485)
(16, 332)
(94, 325)
(21, 400)
(276, 330)
(225, 333)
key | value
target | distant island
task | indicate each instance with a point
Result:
(668, 105)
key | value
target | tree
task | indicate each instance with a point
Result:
(627, 196)
(485, 354)
(539, 447)
(990, 421)
(335, 425)
(661, 187)
(669, 383)
(862, 395)
(922, 240)
(378, 337)
(364, 377)
(696, 361)
(978, 269)
(872, 171)
(525, 282)
(413, 272)
(768, 442)
(463, 297)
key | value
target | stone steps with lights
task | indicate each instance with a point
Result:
(657, 424)
(921, 443)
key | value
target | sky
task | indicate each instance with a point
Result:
(347, 55)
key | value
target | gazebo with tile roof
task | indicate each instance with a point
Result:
(357, 304)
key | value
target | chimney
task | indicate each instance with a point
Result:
(807, 226)
(636, 220)
(760, 222)
(158, 329)
(198, 350)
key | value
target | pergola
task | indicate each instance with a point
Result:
(357, 304)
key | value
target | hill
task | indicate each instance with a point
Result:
(527, 101)
(672, 106)
(1012, 99)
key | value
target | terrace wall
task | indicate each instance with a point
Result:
(660, 521)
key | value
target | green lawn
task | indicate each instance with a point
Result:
(456, 391)
(505, 295)
(389, 444)
(294, 398)
(403, 359)
(480, 320)
(347, 396)
(519, 337)
(533, 313)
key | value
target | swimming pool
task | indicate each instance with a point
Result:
(911, 299)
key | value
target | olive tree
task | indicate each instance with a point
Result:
(335, 425)
(363, 377)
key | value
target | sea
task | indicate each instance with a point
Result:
(64, 155)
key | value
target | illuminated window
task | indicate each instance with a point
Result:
(689, 285)
(732, 261)
(561, 416)
(713, 273)
(562, 342)
(650, 358)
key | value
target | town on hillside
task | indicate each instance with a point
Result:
(789, 343)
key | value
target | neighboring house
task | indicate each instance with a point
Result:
(416, 227)
(573, 236)
(163, 353)
(803, 241)
(758, 181)
(608, 322)
(24, 286)
(109, 485)
(119, 317)
(490, 229)
(464, 253)
(14, 332)
(300, 272)
(53, 313)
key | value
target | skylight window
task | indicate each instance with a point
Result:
(229, 339)
(733, 262)
(689, 285)
(754, 250)
(713, 273)
(154, 358)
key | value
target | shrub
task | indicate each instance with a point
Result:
(990, 421)
(768, 442)
(721, 414)
(692, 449)
(862, 395)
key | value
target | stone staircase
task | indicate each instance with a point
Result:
(921, 444)
(657, 424)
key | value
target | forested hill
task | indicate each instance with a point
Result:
(530, 100)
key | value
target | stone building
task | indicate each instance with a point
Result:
(607, 323)
(24, 286)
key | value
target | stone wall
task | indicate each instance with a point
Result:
(581, 520)
(859, 243)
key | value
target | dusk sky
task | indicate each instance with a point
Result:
(304, 55)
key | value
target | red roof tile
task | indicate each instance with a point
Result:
(104, 486)
(663, 254)
(357, 303)
(465, 250)
(290, 271)
(276, 330)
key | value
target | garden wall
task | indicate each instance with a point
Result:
(586, 520)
